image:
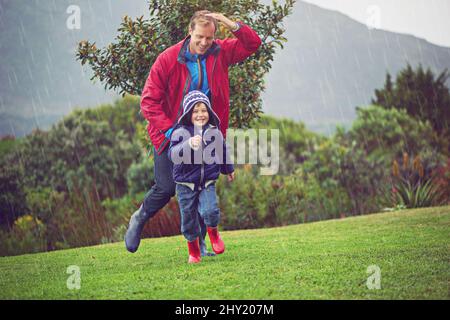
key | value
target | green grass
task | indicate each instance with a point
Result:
(322, 260)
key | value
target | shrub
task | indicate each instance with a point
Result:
(336, 164)
(140, 175)
(413, 185)
(12, 193)
(264, 201)
(388, 133)
(296, 142)
(326, 200)
(442, 174)
(27, 236)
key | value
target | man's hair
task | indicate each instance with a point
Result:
(200, 18)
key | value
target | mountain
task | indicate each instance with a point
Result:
(329, 65)
(40, 78)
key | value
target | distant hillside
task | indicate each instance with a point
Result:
(40, 80)
(332, 63)
(329, 65)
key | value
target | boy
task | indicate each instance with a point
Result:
(199, 154)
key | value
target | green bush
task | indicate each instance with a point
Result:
(338, 165)
(12, 193)
(124, 115)
(27, 236)
(359, 161)
(250, 202)
(414, 185)
(264, 201)
(326, 200)
(118, 211)
(140, 175)
(442, 174)
(388, 133)
(296, 142)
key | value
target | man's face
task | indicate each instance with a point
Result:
(202, 37)
(200, 115)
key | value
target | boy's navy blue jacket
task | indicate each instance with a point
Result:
(198, 173)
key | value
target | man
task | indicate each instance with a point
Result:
(199, 62)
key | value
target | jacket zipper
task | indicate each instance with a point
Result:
(202, 167)
(212, 74)
(200, 75)
(186, 84)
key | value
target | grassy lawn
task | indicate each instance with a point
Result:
(321, 260)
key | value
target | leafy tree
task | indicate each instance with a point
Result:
(421, 94)
(124, 65)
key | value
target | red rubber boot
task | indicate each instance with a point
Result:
(217, 243)
(194, 251)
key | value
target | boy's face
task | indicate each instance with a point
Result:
(200, 115)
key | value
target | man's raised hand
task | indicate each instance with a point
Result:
(221, 18)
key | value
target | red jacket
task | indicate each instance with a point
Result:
(169, 81)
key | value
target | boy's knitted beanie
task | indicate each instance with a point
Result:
(191, 99)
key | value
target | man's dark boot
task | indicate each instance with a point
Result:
(133, 235)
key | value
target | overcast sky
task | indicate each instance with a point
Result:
(428, 19)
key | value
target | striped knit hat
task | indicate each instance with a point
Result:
(190, 100)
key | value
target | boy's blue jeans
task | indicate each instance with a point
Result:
(204, 202)
(164, 188)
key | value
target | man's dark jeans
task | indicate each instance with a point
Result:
(164, 187)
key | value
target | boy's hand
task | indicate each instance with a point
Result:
(195, 142)
(230, 177)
